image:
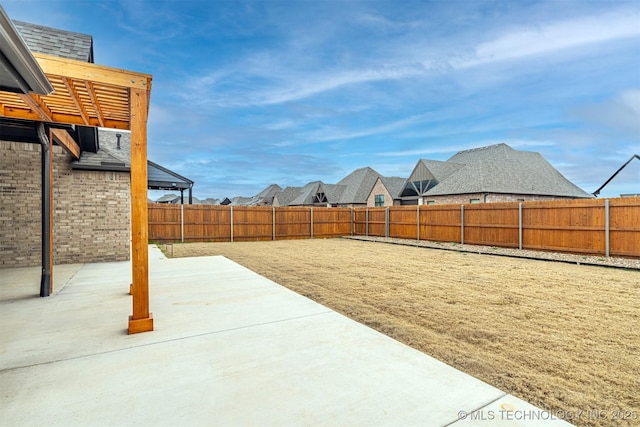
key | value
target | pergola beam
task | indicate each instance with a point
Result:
(66, 141)
(34, 102)
(92, 72)
(76, 100)
(94, 100)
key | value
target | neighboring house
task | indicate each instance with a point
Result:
(352, 191)
(496, 173)
(263, 198)
(286, 196)
(357, 188)
(168, 199)
(386, 191)
(210, 201)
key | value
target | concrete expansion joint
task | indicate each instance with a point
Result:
(479, 408)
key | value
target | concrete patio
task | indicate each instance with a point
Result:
(229, 348)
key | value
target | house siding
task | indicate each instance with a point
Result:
(91, 210)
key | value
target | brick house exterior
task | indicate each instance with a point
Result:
(487, 198)
(495, 173)
(388, 189)
(91, 209)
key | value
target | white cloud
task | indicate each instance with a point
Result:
(556, 36)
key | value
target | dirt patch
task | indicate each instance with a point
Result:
(563, 337)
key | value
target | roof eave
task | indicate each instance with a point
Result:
(19, 62)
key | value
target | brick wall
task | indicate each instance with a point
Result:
(91, 210)
(490, 198)
(379, 189)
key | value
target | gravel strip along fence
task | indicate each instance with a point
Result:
(627, 263)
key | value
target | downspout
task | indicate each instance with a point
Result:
(45, 281)
(191, 193)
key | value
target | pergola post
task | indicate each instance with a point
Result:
(141, 320)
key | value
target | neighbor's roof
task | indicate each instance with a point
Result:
(393, 184)
(168, 198)
(358, 185)
(306, 194)
(269, 192)
(501, 169)
(286, 196)
(52, 41)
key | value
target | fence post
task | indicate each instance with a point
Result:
(606, 228)
(352, 226)
(182, 223)
(231, 220)
(311, 227)
(386, 222)
(366, 222)
(520, 225)
(418, 221)
(273, 223)
(462, 224)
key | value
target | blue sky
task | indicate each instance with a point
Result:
(250, 93)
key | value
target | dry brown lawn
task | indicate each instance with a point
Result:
(564, 337)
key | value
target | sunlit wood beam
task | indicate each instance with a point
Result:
(96, 104)
(63, 139)
(35, 103)
(76, 100)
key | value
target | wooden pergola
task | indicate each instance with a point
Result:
(93, 95)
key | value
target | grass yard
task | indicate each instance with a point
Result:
(564, 337)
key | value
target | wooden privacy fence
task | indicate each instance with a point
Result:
(204, 223)
(594, 226)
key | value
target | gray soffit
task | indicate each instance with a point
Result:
(19, 70)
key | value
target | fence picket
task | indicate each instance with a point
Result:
(587, 226)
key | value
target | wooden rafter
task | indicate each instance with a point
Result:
(35, 103)
(94, 100)
(76, 100)
(85, 94)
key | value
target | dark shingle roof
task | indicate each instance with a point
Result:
(358, 185)
(306, 194)
(108, 156)
(52, 41)
(160, 177)
(286, 196)
(501, 169)
(393, 184)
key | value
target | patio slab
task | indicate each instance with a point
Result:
(229, 347)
